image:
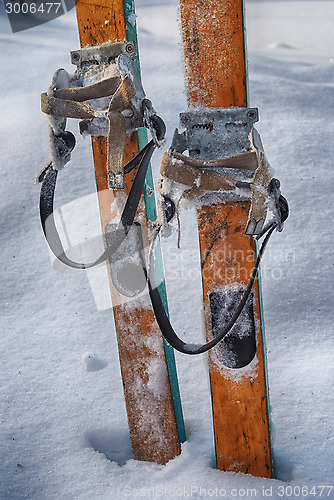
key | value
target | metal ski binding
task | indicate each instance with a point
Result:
(225, 155)
(106, 94)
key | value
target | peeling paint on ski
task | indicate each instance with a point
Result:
(149, 402)
(214, 55)
(216, 77)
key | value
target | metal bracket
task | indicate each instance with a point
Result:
(109, 59)
(104, 54)
(254, 227)
(216, 133)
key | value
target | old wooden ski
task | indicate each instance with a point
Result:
(147, 364)
(216, 78)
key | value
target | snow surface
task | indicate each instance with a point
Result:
(64, 432)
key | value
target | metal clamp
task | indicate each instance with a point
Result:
(149, 115)
(105, 54)
(109, 59)
(216, 133)
(280, 204)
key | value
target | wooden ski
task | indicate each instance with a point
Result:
(147, 365)
(216, 77)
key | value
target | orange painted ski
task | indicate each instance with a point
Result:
(150, 401)
(216, 77)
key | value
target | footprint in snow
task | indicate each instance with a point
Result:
(115, 444)
(92, 363)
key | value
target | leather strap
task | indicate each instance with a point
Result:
(71, 102)
(202, 176)
(49, 179)
(104, 88)
(163, 321)
(192, 176)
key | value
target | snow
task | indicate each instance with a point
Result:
(64, 430)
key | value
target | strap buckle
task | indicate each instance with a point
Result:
(280, 205)
(153, 123)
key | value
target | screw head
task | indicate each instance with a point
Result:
(75, 57)
(129, 48)
(251, 115)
